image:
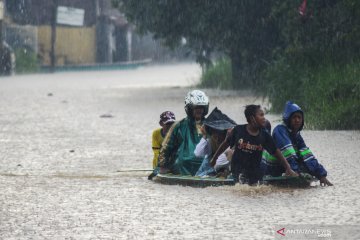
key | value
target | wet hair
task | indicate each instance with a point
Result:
(212, 131)
(250, 111)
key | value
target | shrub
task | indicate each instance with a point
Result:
(26, 61)
(328, 93)
(218, 76)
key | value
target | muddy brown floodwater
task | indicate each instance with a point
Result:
(58, 163)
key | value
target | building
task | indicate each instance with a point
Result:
(87, 31)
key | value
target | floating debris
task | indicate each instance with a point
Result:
(108, 115)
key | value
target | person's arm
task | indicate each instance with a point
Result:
(228, 141)
(283, 142)
(284, 162)
(272, 149)
(202, 148)
(224, 145)
(156, 146)
(311, 162)
(168, 146)
(222, 159)
(229, 153)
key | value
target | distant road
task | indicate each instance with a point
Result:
(183, 74)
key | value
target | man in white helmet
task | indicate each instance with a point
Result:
(177, 152)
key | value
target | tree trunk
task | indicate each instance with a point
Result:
(53, 36)
(236, 70)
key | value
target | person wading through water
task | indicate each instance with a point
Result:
(177, 152)
(289, 140)
(167, 119)
(214, 130)
(249, 141)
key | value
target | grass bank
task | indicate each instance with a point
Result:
(218, 76)
(328, 93)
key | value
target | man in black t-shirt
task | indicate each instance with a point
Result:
(249, 141)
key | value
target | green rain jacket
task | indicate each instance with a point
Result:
(177, 152)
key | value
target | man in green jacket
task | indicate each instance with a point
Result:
(177, 152)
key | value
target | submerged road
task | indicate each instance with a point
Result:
(59, 157)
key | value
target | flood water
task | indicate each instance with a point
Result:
(59, 162)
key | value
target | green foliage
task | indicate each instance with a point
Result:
(334, 97)
(26, 61)
(241, 29)
(329, 94)
(328, 30)
(317, 64)
(218, 75)
(272, 48)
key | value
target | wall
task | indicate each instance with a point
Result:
(74, 46)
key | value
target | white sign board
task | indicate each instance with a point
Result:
(70, 16)
(1, 10)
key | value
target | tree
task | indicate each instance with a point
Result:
(244, 30)
(253, 33)
(327, 30)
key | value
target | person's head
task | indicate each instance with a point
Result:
(296, 121)
(217, 136)
(196, 104)
(255, 116)
(293, 116)
(167, 118)
(217, 124)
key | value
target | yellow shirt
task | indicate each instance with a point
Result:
(157, 140)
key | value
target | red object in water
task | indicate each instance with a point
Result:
(302, 8)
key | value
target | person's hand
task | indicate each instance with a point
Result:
(290, 172)
(229, 153)
(203, 131)
(324, 182)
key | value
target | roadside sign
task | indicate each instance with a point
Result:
(70, 16)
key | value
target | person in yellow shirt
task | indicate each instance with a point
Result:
(167, 118)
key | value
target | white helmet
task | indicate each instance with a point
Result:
(196, 98)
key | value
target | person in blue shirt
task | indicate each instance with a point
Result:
(288, 139)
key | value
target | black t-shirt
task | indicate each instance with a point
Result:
(248, 149)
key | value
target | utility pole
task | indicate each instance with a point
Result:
(3, 55)
(53, 36)
(7, 56)
(1, 22)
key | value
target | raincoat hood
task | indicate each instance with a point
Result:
(290, 109)
(219, 121)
